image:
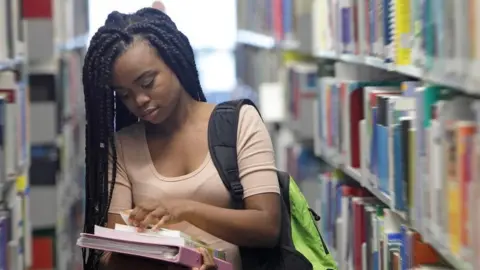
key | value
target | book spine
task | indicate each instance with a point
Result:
(215, 253)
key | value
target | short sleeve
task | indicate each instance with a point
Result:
(256, 161)
(122, 191)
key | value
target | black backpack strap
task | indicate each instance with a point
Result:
(222, 144)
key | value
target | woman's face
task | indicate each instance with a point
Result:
(146, 85)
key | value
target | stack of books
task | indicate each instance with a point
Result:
(165, 245)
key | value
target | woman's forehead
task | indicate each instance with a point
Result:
(138, 58)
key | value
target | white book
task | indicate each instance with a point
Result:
(3, 32)
(436, 172)
(10, 118)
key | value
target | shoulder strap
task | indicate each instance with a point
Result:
(222, 144)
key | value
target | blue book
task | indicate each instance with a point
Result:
(382, 140)
(387, 29)
(3, 105)
(346, 28)
(287, 10)
(398, 168)
(373, 143)
(3, 242)
(403, 247)
(382, 158)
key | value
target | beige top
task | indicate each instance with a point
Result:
(137, 179)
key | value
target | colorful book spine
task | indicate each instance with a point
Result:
(402, 36)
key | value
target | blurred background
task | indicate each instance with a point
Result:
(367, 104)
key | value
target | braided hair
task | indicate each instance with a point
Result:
(105, 113)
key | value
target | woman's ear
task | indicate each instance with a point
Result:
(158, 5)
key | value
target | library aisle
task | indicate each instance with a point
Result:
(373, 107)
(376, 105)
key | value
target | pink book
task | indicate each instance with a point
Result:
(176, 250)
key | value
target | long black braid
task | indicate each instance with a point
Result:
(105, 113)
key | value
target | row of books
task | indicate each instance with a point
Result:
(11, 29)
(429, 40)
(70, 181)
(255, 66)
(414, 144)
(275, 18)
(57, 37)
(15, 231)
(15, 226)
(19, 19)
(363, 233)
(26, 29)
(439, 37)
(14, 125)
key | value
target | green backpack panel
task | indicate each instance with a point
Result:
(300, 246)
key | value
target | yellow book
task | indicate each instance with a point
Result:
(402, 32)
(472, 27)
(475, 29)
(453, 152)
(21, 183)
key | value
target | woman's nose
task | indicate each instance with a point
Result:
(141, 100)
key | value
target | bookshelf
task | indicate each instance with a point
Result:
(391, 117)
(56, 34)
(15, 225)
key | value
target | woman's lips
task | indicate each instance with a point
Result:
(150, 115)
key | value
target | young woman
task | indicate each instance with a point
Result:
(140, 78)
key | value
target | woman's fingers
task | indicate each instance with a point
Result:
(137, 215)
(165, 220)
(154, 219)
(149, 220)
(208, 262)
(207, 257)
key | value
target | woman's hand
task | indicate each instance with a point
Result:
(156, 214)
(208, 262)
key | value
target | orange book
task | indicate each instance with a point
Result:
(423, 253)
(396, 261)
(465, 136)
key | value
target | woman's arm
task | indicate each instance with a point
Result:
(258, 225)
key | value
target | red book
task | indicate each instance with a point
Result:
(278, 19)
(37, 9)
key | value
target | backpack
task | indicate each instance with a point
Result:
(300, 245)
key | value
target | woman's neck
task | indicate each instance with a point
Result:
(181, 114)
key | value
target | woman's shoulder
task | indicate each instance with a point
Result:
(130, 133)
(249, 115)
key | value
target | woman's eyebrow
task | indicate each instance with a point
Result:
(143, 75)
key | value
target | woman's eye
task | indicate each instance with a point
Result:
(149, 84)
